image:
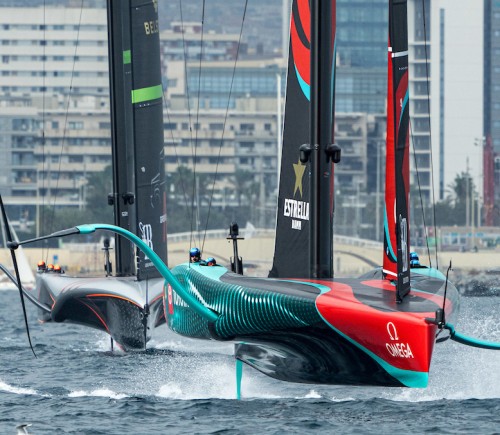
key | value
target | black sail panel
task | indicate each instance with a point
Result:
(122, 131)
(291, 254)
(304, 226)
(147, 98)
(398, 33)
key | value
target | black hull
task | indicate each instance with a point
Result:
(313, 355)
(113, 305)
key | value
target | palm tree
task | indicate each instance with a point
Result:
(243, 182)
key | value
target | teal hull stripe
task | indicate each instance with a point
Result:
(147, 94)
(429, 272)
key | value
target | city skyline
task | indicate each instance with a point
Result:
(353, 85)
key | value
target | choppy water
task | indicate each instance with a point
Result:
(77, 386)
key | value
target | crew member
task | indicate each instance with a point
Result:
(194, 255)
(414, 261)
(210, 261)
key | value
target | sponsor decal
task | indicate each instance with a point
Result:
(395, 347)
(146, 236)
(151, 27)
(170, 300)
(299, 168)
(404, 242)
(296, 209)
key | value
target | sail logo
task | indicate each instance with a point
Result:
(146, 235)
(403, 230)
(395, 348)
(151, 27)
(295, 209)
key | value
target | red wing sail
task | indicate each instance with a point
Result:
(396, 222)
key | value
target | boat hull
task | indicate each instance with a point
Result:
(115, 305)
(339, 332)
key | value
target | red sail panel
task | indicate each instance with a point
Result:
(390, 266)
(396, 224)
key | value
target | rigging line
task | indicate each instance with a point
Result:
(225, 122)
(66, 118)
(420, 195)
(188, 106)
(430, 130)
(196, 189)
(40, 215)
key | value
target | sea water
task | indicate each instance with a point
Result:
(76, 385)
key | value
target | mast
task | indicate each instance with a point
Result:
(136, 93)
(396, 222)
(120, 77)
(322, 122)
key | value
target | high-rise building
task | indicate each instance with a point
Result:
(457, 89)
(491, 142)
(53, 50)
(361, 75)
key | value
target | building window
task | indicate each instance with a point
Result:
(75, 125)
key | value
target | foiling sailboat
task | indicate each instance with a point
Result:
(301, 324)
(128, 304)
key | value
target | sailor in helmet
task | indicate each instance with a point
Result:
(194, 255)
(414, 261)
(210, 261)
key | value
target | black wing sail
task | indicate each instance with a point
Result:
(398, 33)
(294, 226)
(138, 147)
(147, 100)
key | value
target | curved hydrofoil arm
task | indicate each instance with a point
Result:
(194, 303)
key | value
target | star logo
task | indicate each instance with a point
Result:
(299, 169)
